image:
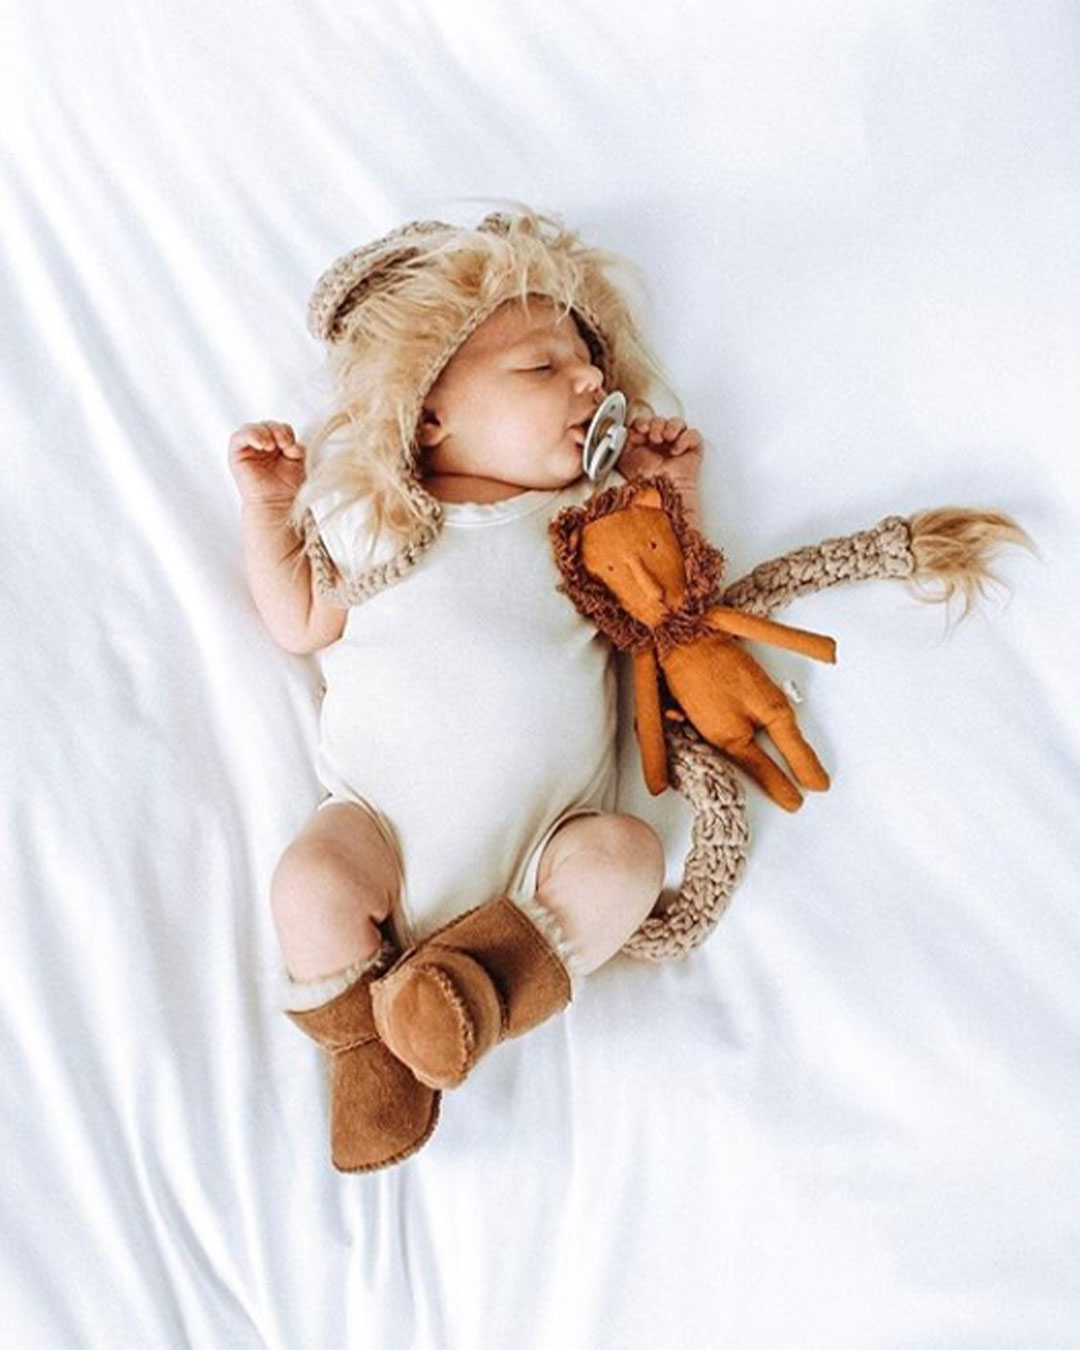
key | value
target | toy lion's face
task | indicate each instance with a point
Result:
(631, 563)
(636, 553)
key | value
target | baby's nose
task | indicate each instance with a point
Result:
(590, 379)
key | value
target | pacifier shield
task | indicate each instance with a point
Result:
(605, 437)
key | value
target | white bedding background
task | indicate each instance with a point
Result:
(851, 1119)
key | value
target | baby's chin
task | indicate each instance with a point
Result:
(555, 482)
(546, 472)
(565, 465)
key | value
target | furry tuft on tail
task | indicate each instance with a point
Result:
(953, 548)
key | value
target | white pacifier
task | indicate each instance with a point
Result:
(605, 437)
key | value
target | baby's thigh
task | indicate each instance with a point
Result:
(334, 886)
(342, 848)
(622, 846)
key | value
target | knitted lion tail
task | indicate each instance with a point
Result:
(953, 549)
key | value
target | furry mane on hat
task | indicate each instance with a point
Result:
(392, 313)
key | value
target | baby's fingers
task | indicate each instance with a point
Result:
(266, 437)
(647, 430)
(283, 438)
(659, 430)
(688, 440)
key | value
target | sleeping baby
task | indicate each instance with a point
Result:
(467, 863)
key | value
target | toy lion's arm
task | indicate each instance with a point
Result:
(739, 623)
(941, 553)
(649, 721)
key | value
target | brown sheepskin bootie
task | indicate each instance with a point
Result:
(486, 976)
(379, 1112)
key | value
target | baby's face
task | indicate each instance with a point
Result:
(514, 402)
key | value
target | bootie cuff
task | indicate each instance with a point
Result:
(302, 995)
(555, 936)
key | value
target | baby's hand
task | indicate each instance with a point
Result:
(667, 446)
(267, 463)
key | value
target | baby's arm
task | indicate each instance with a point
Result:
(268, 466)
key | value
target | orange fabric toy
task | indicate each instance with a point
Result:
(632, 564)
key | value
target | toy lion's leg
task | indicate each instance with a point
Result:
(768, 775)
(792, 744)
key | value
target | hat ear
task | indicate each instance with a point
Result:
(649, 496)
(362, 272)
(336, 296)
(496, 222)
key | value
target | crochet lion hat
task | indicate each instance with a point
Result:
(392, 313)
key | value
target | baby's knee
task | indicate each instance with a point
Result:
(602, 884)
(630, 843)
(320, 872)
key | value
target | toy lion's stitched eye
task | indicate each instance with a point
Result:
(652, 544)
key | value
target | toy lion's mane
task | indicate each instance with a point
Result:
(704, 568)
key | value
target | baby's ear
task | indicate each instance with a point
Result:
(429, 433)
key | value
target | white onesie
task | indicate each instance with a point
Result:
(471, 708)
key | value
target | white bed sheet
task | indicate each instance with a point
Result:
(849, 1120)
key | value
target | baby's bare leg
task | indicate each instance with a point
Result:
(335, 883)
(600, 876)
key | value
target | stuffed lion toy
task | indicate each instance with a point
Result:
(652, 584)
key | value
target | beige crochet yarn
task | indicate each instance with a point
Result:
(392, 314)
(939, 553)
